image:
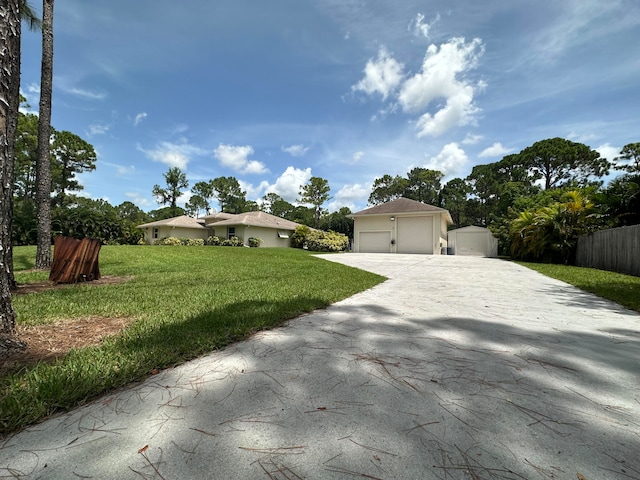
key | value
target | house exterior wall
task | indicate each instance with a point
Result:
(269, 236)
(422, 233)
(168, 231)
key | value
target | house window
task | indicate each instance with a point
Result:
(155, 232)
(231, 232)
(282, 234)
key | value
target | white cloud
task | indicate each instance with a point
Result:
(451, 160)
(139, 117)
(139, 200)
(98, 129)
(288, 184)
(237, 159)
(86, 94)
(254, 193)
(495, 150)
(577, 22)
(382, 75)
(120, 169)
(173, 154)
(608, 151)
(441, 78)
(459, 110)
(421, 29)
(581, 137)
(357, 156)
(471, 139)
(440, 94)
(350, 196)
(295, 150)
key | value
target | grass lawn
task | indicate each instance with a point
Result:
(186, 301)
(622, 289)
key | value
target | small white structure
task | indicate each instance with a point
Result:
(472, 241)
(401, 226)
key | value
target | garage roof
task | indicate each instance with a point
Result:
(402, 205)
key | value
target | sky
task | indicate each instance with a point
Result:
(273, 93)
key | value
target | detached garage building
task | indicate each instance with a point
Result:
(472, 241)
(401, 226)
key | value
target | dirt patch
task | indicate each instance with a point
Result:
(37, 287)
(45, 343)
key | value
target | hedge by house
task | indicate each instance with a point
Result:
(319, 241)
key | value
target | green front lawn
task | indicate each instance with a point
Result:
(622, 289)
(187, 301)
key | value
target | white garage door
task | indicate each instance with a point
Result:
(471, 243)
(375, 242)
(415, 235)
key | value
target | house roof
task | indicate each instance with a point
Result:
(258, 219)
(183, 221)
(402, 205)
(217, 217)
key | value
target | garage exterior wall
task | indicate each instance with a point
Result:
(473, 241)
(422, 233)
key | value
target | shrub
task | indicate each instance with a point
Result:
(298, 238)
(193, 242)
(214, 241)
(319, 241)
(172, 241)
(255, 242)
(232, 242)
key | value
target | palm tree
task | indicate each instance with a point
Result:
(551, 233)
(43, 164)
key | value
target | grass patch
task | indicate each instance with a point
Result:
(187, 301)
(622, 289)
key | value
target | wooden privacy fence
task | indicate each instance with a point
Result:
(616, 249)
(75, 260)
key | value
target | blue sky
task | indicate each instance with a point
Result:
(275, 92)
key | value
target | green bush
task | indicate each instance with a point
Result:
(298, 239)
(255, 242)
(319, 241)
(193, 242)
(171, 241)
(232, 242)
(215, 241)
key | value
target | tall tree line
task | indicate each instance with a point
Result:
(555, 174)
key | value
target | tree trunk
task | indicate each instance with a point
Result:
(12, 126)
(9, 50)
(43, 168)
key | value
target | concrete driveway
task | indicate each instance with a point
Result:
(455, 368)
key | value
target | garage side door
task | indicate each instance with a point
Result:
(374, 242)
(471, 243)
(415, 235)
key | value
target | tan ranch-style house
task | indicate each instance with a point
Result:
(273, 231)
(401, 226)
